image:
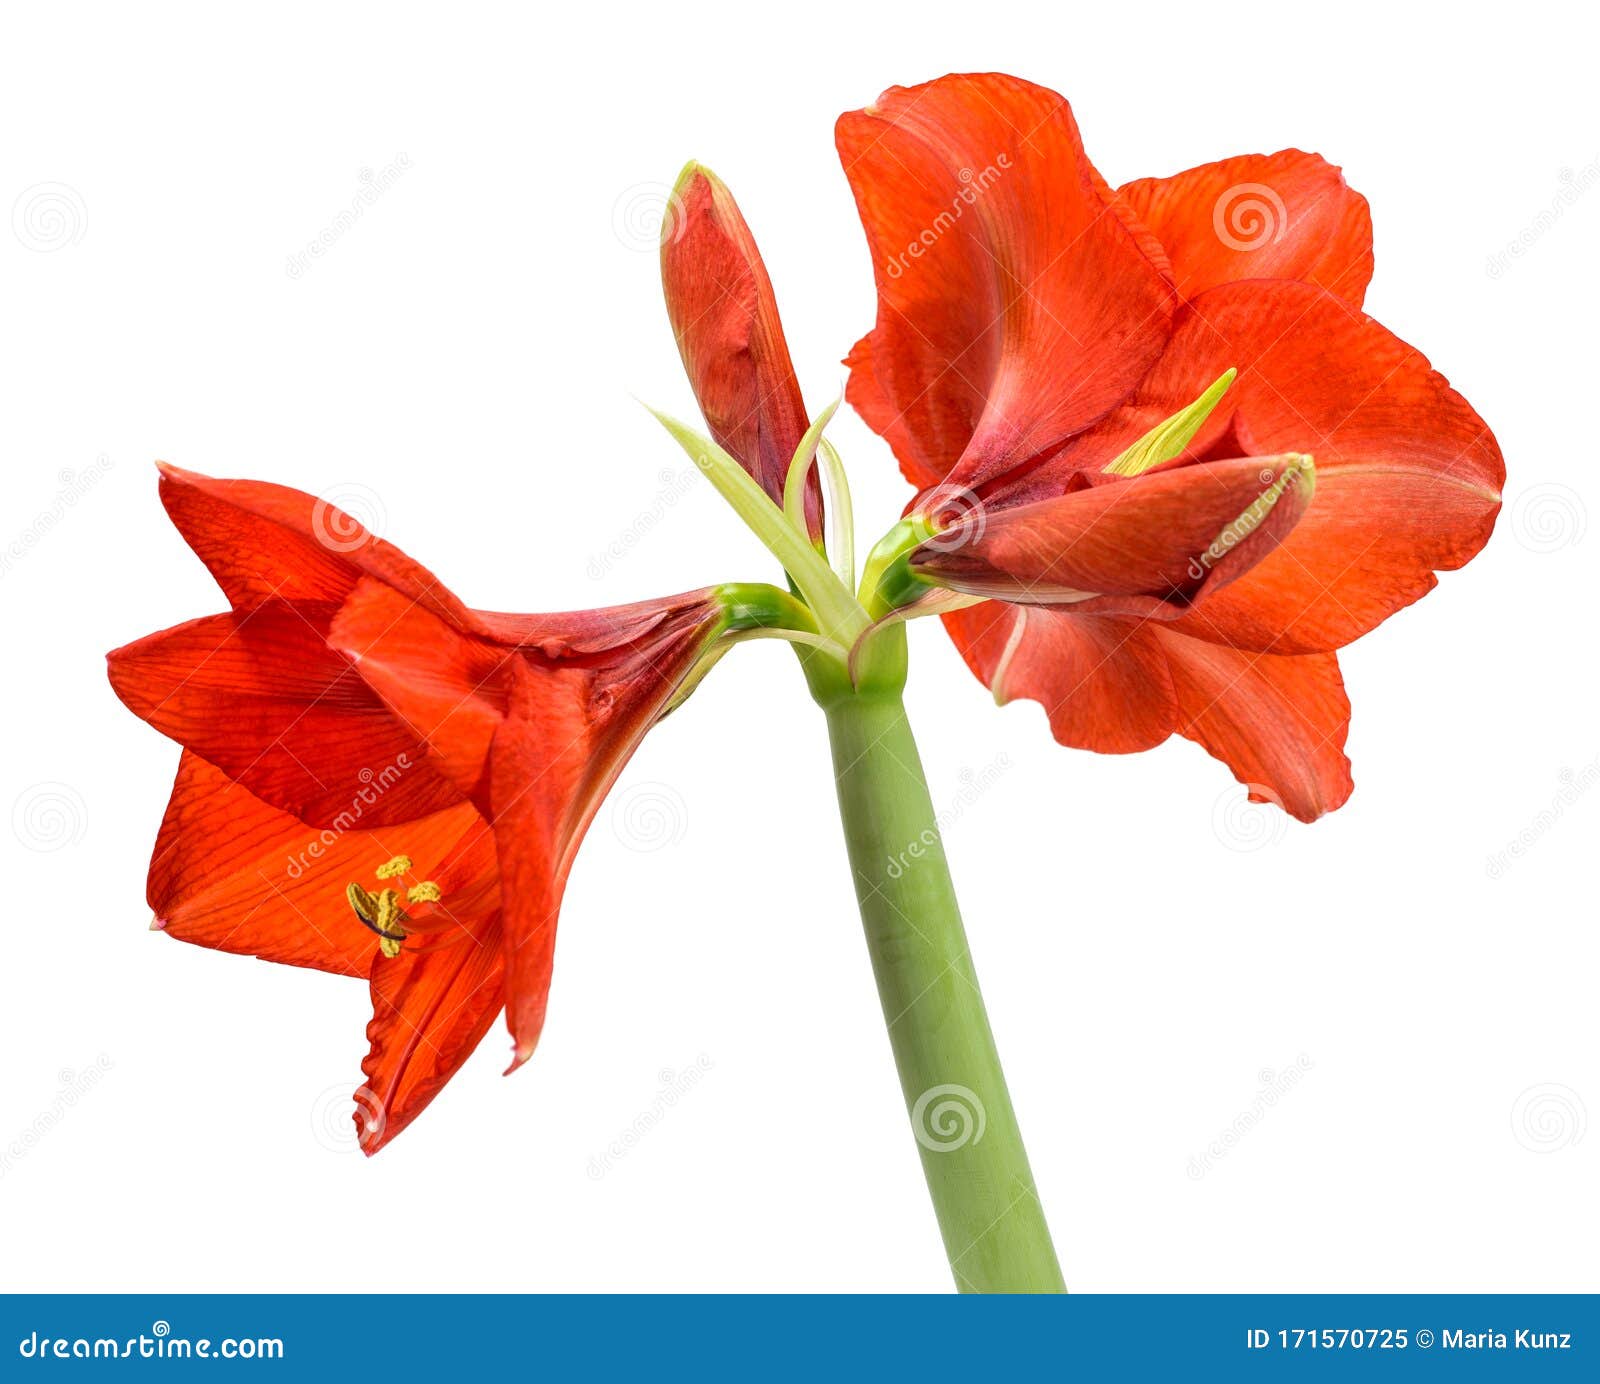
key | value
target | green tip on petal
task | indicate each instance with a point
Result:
(686, 174)
(1169, 438)
(689, 172)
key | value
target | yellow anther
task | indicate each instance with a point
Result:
(365, 905)
(388, 910)
(382, 912)
(390, 933)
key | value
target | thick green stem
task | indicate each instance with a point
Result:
(977, 1170)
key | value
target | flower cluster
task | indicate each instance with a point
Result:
(1162, 474)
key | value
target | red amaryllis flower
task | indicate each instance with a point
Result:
(1050, 367)
(378, 781)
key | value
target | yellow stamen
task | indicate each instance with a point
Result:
(365, 905)
(382, 912)
(1168, 439)
(390, 933)
(388, 909)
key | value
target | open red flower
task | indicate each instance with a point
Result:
(378, 781)
(1034, 325)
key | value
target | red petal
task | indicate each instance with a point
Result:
(568, 733)
(271, 543)
(261, 696)
(1287, 215)
(1168, 537)
(1408, 476)
(233, 873)
(725, 318)
(540, 808)
(452, 689)
(1014, 305)
(430, 1008)
(1119, 685)
(578, 633)
(1279, 722)
(541, 731)
(1149, 244)
(447, 688)
(1103, 682)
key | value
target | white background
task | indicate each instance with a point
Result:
(457, 369)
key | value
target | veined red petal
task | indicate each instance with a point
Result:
(453, 689)
(1117, 685)
(266, 542)
(445, 687)
(1170, 538)
(538, 731)
(1014, 304)
(1102, 681)
(234, 873)
(261, 696)
(1149, 244)
(725, 317)
(540, 807)
(1287, 215)
(576, 634)
(1278, 721)
(566, 736)
(430, 1009)
(1408, 475)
